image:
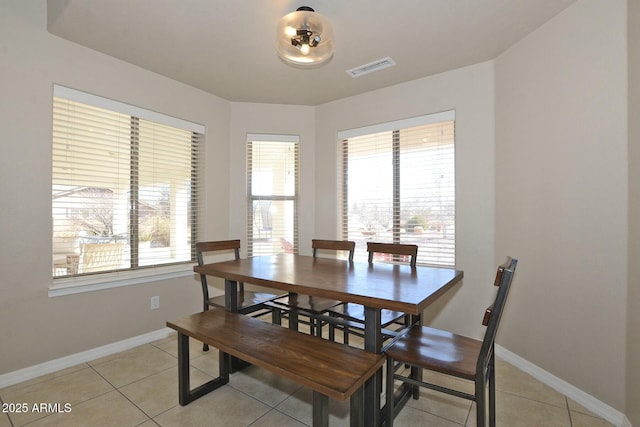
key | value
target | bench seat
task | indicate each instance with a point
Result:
(328, 368)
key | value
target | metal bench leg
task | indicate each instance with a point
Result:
(320, 410)
(183, 369)
(185, 394)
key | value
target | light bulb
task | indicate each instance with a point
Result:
(304, 49)
(290, 31)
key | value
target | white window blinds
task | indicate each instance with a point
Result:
(398, 186)
(272, 189)
(125, 188)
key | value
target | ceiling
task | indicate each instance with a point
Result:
(227, 47)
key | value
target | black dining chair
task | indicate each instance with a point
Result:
(454, 355)
(354, 313)
(249, 302)
(313, 308)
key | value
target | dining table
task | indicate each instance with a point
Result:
(376, 286)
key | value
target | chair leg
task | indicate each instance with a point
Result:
(491, 375)
(312, 326)
(388, 407)
(205, 347)
(416, 374)
(480, 401)
(276, 316)
(205, 302)
(319, 328)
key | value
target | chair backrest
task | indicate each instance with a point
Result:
(338, 245)
(393, 249)
(215, 246)
(493, 314)
(101, 257)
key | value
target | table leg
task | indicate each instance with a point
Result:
(373, 386)
(231, 304)
(231, 295)
(416, 372)
(293, 313)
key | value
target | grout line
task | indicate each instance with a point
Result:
(468, 418)
(291, 417)
(164, 412)
(44, 378)
(255, 398)
(440, 416)
(267, 413)
(150, 419)
(8, 417)
(162, 349)
(79, 402)
(513, 393)
(125, 396)
(136, 406)
(566, 400)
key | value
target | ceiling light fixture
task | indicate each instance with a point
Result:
(304, 38)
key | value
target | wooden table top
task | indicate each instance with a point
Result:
(378, 285)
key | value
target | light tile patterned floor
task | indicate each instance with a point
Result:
(138, 387)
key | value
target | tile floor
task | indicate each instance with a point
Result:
(138, 387)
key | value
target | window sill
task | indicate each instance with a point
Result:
(78, 285)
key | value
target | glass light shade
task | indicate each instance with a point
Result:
(304, 21)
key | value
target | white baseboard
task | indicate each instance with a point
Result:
(25, 374)
(591, 403)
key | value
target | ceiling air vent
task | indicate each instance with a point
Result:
(371, 67)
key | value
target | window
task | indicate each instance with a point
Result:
(272, 189)
(398, 186)
(124, 187)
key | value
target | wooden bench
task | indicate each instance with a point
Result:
(330, 369)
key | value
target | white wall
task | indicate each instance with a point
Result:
(561, 195)
(633, 295)
(468, 91)
(36, 328)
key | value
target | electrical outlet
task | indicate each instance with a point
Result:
(155, 302)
